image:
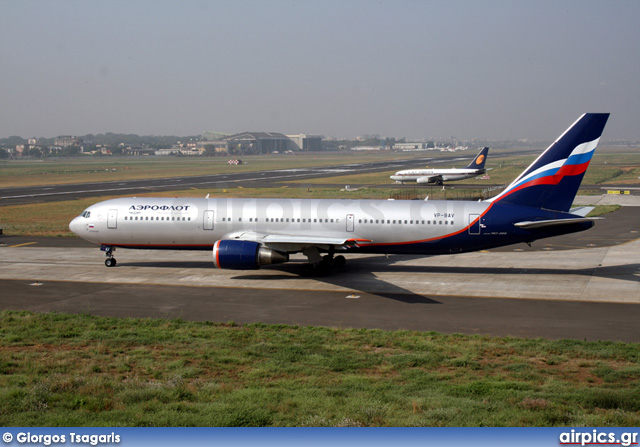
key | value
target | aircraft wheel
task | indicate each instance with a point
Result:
(339, 261)
(110, 262)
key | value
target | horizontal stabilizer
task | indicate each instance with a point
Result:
(530, 225)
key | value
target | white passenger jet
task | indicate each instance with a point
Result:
(248, 233)
(438, 176)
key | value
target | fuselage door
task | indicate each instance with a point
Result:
(350, 222)
(112, 219)
(474, 223)
(208, 220)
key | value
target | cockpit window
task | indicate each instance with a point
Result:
(86, 214)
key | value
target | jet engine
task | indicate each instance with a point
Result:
(244, 255)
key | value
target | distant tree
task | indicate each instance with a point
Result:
(33, 152)
(13, 141)
(209, 150)
(4, 154)
(70, 151)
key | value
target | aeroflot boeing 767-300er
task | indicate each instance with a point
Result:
(247, 233)
(438, 176)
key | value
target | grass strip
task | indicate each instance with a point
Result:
(81, 370)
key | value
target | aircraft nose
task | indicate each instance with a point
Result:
(75, 225)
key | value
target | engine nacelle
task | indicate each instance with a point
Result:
(244, 255)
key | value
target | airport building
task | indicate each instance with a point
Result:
(258, 143)
(410, 146)
(67, 141)
(305, 142)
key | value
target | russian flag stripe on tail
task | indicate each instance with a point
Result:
(552, 180)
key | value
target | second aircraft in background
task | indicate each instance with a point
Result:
(438, 176)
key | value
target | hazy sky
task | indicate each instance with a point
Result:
(488, 69)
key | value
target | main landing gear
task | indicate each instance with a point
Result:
(322, 265)
(108, 252)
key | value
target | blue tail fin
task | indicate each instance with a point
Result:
(481, 158)
(552, 181)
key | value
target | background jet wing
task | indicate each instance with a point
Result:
(429, 179)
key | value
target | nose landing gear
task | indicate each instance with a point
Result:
(108, 252)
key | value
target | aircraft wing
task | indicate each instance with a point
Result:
(429, 179)
(290, 242)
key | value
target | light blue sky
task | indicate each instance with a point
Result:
(488, 69)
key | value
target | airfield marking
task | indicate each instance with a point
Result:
(22, 245)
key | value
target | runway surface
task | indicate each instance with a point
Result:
(588, 293)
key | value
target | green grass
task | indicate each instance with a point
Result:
(600, 210)
(81, 370)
